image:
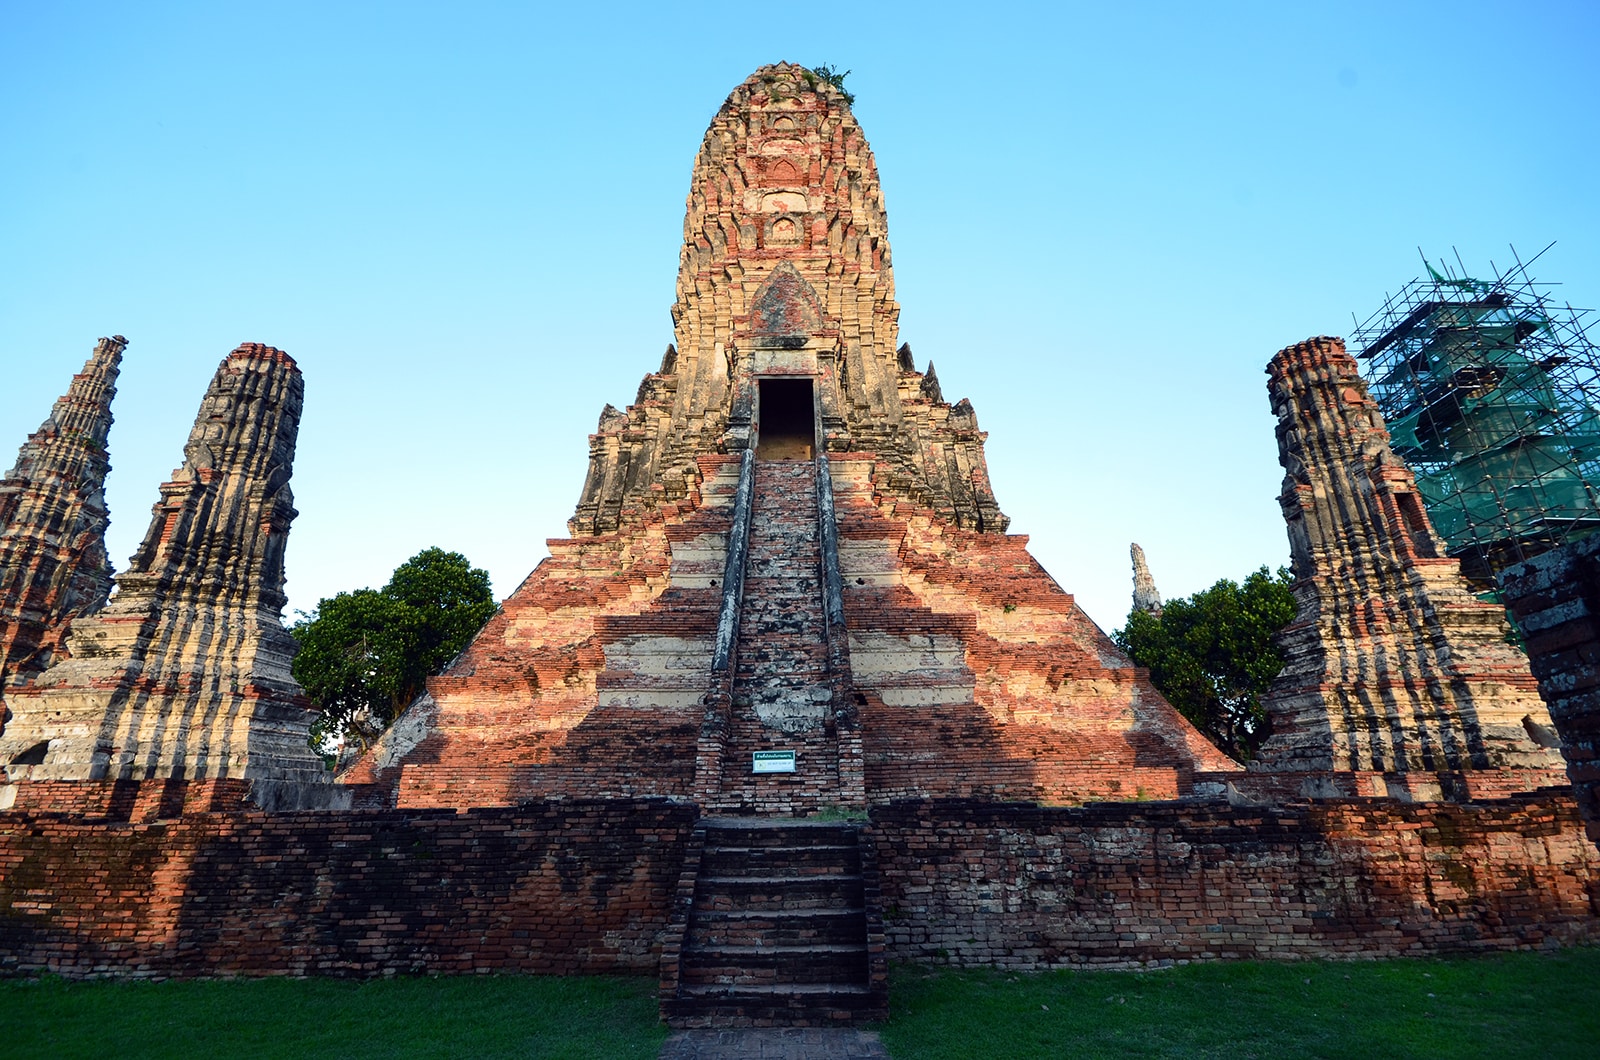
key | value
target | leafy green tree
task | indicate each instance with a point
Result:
(835, 77)
(1212, 656)
(365, 655)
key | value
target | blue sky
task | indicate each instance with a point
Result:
(463, 221)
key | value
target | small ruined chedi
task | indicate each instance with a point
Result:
(1146, 597)
(53, 564)
(788, 544)
(1398, 680)
(184, 675)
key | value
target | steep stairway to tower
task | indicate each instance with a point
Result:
(782, 690)
(777, 925)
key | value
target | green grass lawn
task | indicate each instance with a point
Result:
(485, 1016)
(1543, 1005)
(1524, 1004)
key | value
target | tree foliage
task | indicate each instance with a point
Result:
(835, 77)
(365, 655)
(1212, 656)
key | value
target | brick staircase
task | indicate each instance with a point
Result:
(782, 692)
(776, 924)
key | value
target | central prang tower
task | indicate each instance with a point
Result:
(785, 277)
(788, 585)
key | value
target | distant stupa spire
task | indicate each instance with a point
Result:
(1146, 597)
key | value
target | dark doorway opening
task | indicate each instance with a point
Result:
(787, 430)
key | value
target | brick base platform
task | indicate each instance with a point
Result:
(586, 887)
(1127, 884)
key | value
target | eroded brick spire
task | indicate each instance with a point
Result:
(53, 564)
(1393, 665)
(1146, 597)
(785, 270)
(186, 671)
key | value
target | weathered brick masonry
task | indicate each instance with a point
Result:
(586, 886)
(984, 883)
(53, 563)
(185, 672)
(1556, 600)
(1395, 672)
(969, 670)
(557, 887)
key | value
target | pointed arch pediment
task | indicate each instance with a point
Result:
(783, 173)
(786, 306)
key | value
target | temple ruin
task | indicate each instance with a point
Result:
(788, 701)
(788, 545)
(184, 675)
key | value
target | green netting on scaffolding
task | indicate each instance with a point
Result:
(1491, 394)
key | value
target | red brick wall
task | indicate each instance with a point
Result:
(586, 886)
(560, 887)
(1121, 884)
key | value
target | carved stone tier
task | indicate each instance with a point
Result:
(53, 564)
(1394, 666)
(185, 673)
(785, 270)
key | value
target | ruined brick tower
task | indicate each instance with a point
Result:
(53, 564)
(788, 546)
(785, 276)
(184, 675)
(1398, 678)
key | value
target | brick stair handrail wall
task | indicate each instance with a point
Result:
(584, 887)
(1121, 885)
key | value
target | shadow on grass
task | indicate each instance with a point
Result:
(1507, 1005)
(485, 1016)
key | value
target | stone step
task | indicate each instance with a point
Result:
(782, 629)
(780, 928)
(791, 1005)
(768, 893)
(808, 965)
(770, 862)
(790, 587)
(797, 673)
(814, 990)
(752, 832)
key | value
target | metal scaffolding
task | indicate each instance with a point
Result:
(1491, 391)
